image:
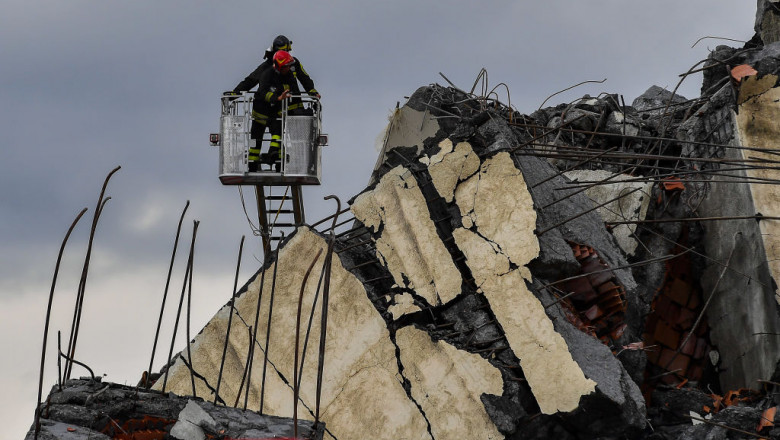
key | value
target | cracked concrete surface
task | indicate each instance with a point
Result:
(757, 128)
(447, 384)
(407, 128)
(360, 356)
(408, 243)
(501, 215)
(450, 166)
(505, 220)
(631, 207)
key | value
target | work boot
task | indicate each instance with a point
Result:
(270, 157)
(253, 166)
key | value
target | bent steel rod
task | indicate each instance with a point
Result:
(324, 274)
(296, 389)
(589, 210)
(268, 328)
(653, 138)
(257, 319)
(74, 328)
(691, 219)
(46, 322)
(249, 355)
(325, 305)
(578, 164)
(189, 309)
(311, 320)
(178, 312)
(230, 320)
(165, 293)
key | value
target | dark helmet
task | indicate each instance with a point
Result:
(281, 43)
(282, 59)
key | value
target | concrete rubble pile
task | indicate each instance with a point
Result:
(88, 408)
(489, 288)
(591, 270)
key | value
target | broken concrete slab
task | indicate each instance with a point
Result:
(408, 243)
(193, 423)
(439, 376)
(633, 198)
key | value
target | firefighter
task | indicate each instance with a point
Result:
(260, 120)
(276, 85)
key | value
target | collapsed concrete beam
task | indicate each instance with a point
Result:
(407, 241)
(360, 357)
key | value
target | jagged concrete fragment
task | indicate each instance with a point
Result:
(757, 128)
(192, 420)
(744, 323)
(655, 100)
(407, 128)
(408, 243)
(360, 357)
(631, 206)
(91, 409)
(402, 304)
(450, 166)
(498, 201)
(768, 21)
(441, 375)
(556, 380)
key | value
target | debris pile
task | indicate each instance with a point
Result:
(87, 408)
(591, 270)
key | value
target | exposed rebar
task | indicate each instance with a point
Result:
(296, 389)
(165, 293)
(48, 317)
(178, 312)
(75, 324)
(230, 320)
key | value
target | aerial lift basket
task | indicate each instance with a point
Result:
(302, 141)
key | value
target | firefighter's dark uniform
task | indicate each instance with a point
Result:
(267, 109)
(260, 111)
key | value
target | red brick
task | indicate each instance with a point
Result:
(685, 318)
(690, 347)
(680, 361)
(583, 292)
(679, 291)
(661, 305)
(600, 278)
(606, 288)
(666, 336)
(593, 313)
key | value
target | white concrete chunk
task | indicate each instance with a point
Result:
(409, 245)
(447, 383)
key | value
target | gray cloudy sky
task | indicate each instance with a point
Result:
(89, 85)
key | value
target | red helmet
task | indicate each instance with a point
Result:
(281, 59)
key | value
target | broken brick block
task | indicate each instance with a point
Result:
(666, 335)
(663, 306)
(670, 360)
(679, 291)
(593, 313)
(685, 318)
(689, 348)
(583, 292)
(600, 278)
